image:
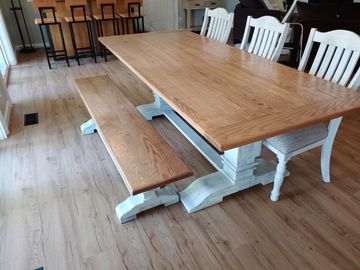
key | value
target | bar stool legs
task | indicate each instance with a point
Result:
(100, 32)
(50, 51)
(135, 24)
(79, 52)
(91, 41)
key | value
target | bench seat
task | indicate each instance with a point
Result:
(144, 159)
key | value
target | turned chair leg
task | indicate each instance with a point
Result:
(325, 161)
(279, 178)
(327, 148)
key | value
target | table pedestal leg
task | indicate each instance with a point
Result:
(88, 127)
(238, 168)
(149, 111)
(241, 170)
(128, 209)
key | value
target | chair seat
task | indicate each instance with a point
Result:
(77, 19)
(47, 20)
(295, 140)
(133, 15)
(99, 17)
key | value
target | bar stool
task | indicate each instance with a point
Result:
(51, 52)
(134, 14)
(79, 16)
(106, 6)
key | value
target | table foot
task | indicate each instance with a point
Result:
(149, 111)
(157, 108)
(128, 209)
(88, 127)
(211, 189)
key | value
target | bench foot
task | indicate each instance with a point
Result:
(128, 209)
(88, 127)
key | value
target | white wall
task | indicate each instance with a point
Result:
(230, 4)
(11, 23)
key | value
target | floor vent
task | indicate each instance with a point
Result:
(31, 119)
(40, 268)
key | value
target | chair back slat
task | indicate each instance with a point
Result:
(259, 41)
(253, 40)
(336, 58)
(264, 42)
(326, 61)
(272, 48)
(268, 37)
(217, 24)
(267, 45)
(342, 65)
(350, 68)
(334, 63)
(318, 58)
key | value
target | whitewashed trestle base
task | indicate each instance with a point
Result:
(133, 205)
(238, 168)
(128, 209)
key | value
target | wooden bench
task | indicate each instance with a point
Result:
(144, 159)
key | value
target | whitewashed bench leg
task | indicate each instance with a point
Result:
(157, 108)
(128, 209)
(88, 127)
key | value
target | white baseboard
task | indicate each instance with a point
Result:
(36, 46)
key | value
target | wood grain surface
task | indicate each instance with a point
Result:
(58, 191)
(229, 96)
(143, 158)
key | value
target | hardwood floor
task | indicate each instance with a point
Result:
(58, 192)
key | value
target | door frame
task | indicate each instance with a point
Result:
(5, 116)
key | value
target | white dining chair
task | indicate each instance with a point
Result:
(335, 60)
(217, 24)
(268, 38)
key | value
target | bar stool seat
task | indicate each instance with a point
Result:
(77, 19)
(47, 21)
(99, 17)
(131, 15)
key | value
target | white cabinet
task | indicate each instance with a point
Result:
(190, 5)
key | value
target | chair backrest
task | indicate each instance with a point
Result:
(336, 58)
(134, 9)
(268, 37)
(335, 61)
(217, 24)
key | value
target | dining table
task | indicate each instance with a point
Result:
(226, 102)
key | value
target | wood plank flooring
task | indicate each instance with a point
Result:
(58, 192)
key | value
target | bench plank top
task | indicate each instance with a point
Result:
(144, 159)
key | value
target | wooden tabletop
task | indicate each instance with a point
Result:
(230, 97)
